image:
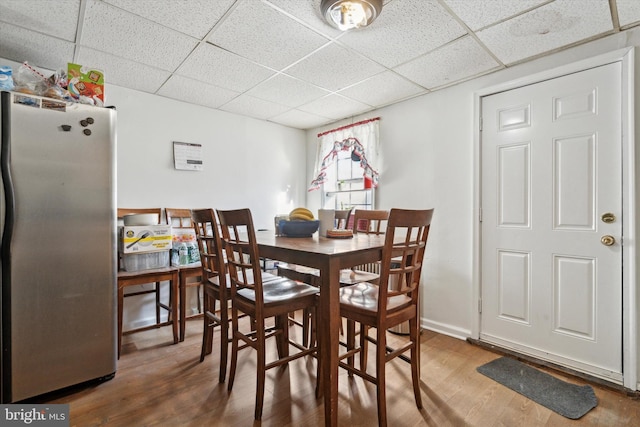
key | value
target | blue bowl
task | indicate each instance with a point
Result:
(298, 228)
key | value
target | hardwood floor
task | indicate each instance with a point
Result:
(161, 384)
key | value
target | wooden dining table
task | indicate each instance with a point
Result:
(329, 255)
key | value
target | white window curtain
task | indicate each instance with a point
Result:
(359, 138)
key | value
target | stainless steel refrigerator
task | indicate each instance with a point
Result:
(58, 248)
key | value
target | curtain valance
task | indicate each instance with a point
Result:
(360, 138)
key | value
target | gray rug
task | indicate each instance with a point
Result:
(569, 400)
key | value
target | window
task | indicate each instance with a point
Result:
(345, 187)
(346, 166)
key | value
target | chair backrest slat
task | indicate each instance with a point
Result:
(402, 260)
(370, 221)
(241, 248)
(210, 246)
(342, 218)
(178, 217)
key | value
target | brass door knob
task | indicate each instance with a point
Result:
(608, 218)
(607, 240)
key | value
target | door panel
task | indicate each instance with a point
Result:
(551, 166)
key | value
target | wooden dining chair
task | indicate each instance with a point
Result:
(181, 219)
(260, 299)
(372, 222)
(342, 218)
(215, 285)
(392, 302)
(367, 222)
(154, 277)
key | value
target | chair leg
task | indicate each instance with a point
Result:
(381, 352)
(315, 340)
(207, 332)
(351, 342)
(414, 336)
(120, 310)
(282, 339)
(224, 340)
(305, 327)
(173, 309)
(313, 329)
(157, 285)
(199, 304)
(364, 347)
(261, 362)
(234, 348)
(207, 338)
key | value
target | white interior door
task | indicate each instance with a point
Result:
(551, 279)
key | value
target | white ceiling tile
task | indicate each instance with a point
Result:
(37, 49)
(549, 27)
(60, 21)
(334, 67)
(300, 119)
(213, 65)
(287, 91)
(628, 11)
(307, 11)
(115, 31)
(335, 107)
(490, 12)
(384, 88)
(405, 30)
(297, 60)
(459, 60)
(195, 92)
(262, 34)
(193, 17)
(123, 72)
(254, 107)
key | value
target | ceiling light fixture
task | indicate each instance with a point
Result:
(348, 14)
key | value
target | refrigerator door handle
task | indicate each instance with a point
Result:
(7, 183)
(5, 248)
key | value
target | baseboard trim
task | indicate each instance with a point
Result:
(445, 329)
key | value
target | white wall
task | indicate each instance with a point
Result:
(247, 163)
(427, 147)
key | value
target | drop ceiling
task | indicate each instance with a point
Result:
(278, 60)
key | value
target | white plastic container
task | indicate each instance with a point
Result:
(141, 219)
(145, 261)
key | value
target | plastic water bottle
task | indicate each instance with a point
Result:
(183, 254)
(194, 253)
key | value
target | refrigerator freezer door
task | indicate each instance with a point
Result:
(62, 261)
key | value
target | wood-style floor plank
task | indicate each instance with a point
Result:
(161, 384)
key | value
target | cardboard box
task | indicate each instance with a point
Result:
(85, 81)
(144, 238)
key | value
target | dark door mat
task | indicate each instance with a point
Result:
(569, 400)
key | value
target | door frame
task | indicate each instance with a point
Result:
(629, 273)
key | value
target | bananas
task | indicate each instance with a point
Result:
(301, 214)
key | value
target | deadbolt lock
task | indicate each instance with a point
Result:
(607, 240)
(608, 218)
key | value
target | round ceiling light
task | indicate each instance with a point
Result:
(348, 14)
